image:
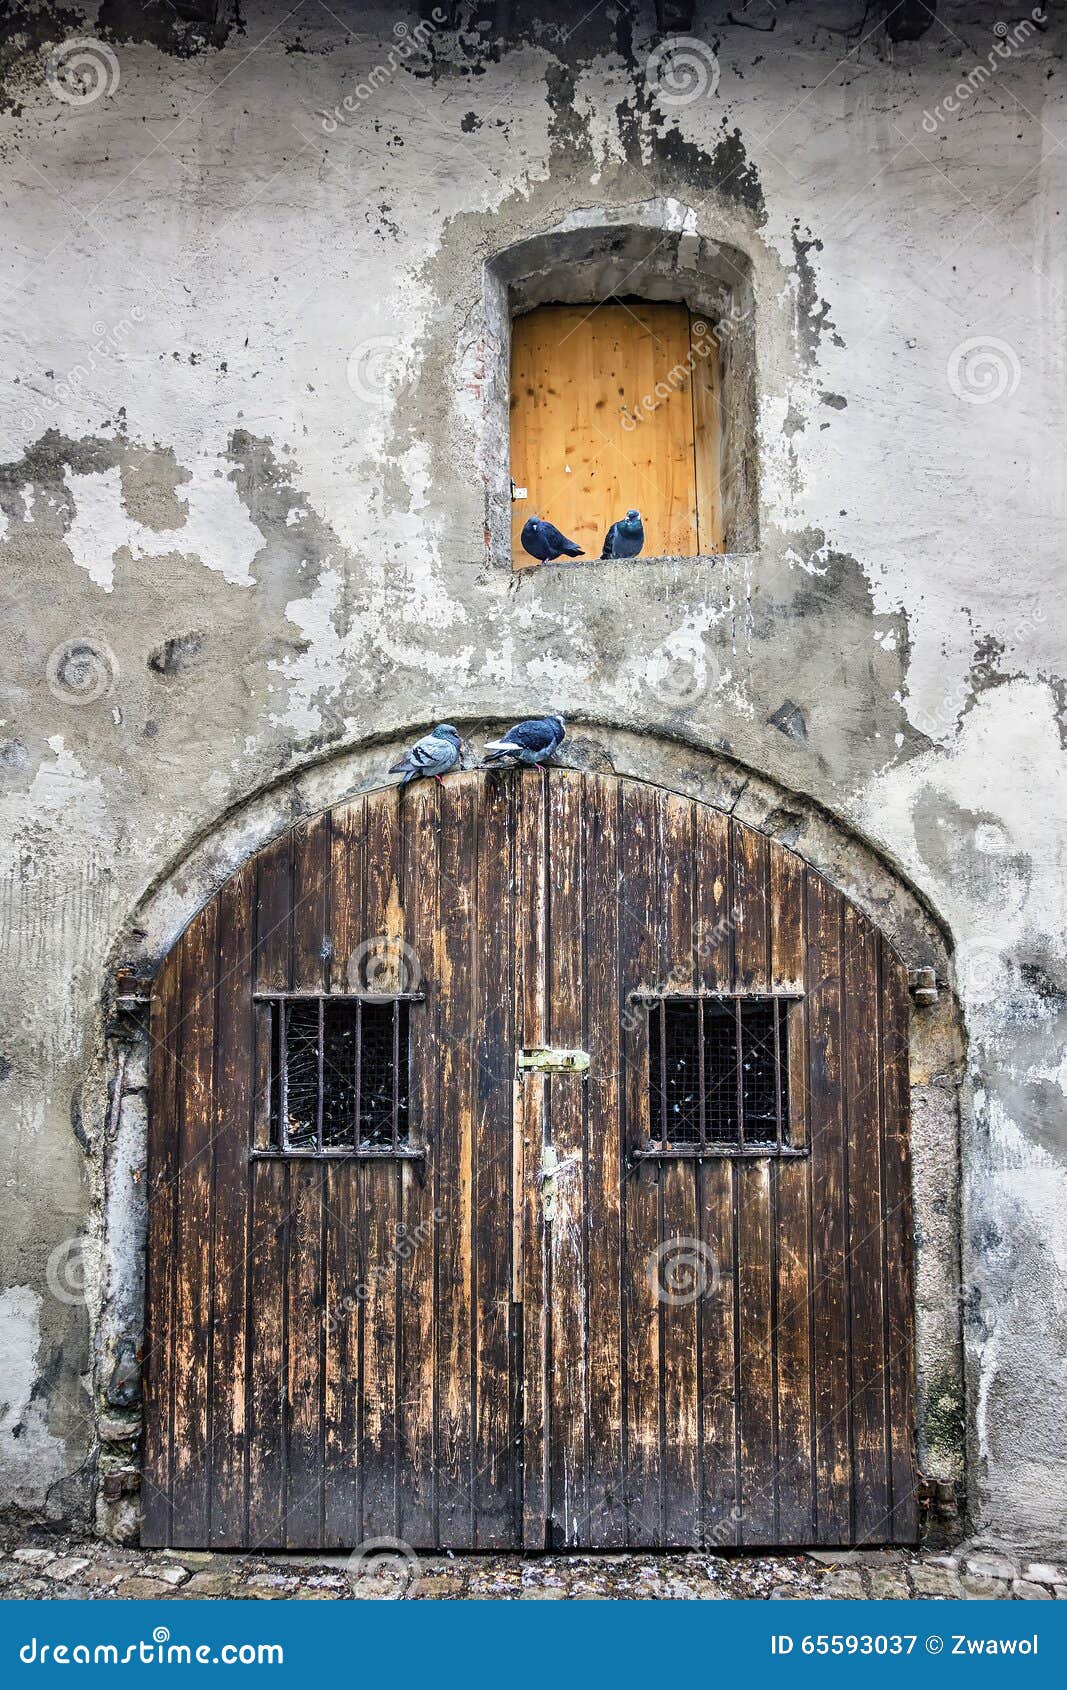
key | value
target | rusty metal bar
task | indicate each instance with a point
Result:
(740, 1076)
(319, 1103)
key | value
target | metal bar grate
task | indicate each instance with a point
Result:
(718, 1074)
(339, 1075)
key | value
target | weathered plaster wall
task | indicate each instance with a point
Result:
(252, 400)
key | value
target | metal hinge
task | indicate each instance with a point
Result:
(922, 983)
(548, 1061)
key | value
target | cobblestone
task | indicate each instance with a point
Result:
(69, 1568)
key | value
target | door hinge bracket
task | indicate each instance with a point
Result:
(545, 1060)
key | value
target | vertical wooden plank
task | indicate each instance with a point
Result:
(306, 1345)
(269, 1220)
(683, 1277)
(751, 908)
(829, 1284)
(347, 850)
(707, 435)
(899, 1245)
(161, 1251)
(194, 1242)
(792, 1313)
(787, 920)
(311, 865)
(564, 1193)
(419, 876)
(865, 1208)
(713, 919)
(273, 914)
(494, 1067)
(656, 453)
(718, 1347)
(712, 914)
(344, 1282)
(384, 969)
(530, 942)
(268, 1367)
(755, 1243)
(756, 1230)
(604, 1163)
(453, 970)
(379, 1184)
(638, 970)
(233, 1105)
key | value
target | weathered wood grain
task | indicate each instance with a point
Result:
(451, 1350)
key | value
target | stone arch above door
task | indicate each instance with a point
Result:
(789, 817)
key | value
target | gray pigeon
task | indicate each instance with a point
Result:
(544, 541)
(434, 754)
(626, 537)
(528, 742)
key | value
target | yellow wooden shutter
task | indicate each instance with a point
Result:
(613, 406)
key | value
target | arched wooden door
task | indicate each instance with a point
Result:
(528, 1166)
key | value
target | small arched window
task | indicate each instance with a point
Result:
(631, 384)
(616, 406)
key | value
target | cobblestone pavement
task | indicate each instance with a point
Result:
(46, 1567)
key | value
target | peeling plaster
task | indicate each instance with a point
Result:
(230, 469)
(214, 529)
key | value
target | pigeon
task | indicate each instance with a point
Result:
(434, 754)
(626, 537)
(545, 542)
(527, 742)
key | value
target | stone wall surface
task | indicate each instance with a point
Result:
(251, 441)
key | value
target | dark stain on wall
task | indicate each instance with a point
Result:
(813, 313)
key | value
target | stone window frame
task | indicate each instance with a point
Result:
(660, 258)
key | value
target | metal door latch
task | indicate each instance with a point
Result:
(545, 1060)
